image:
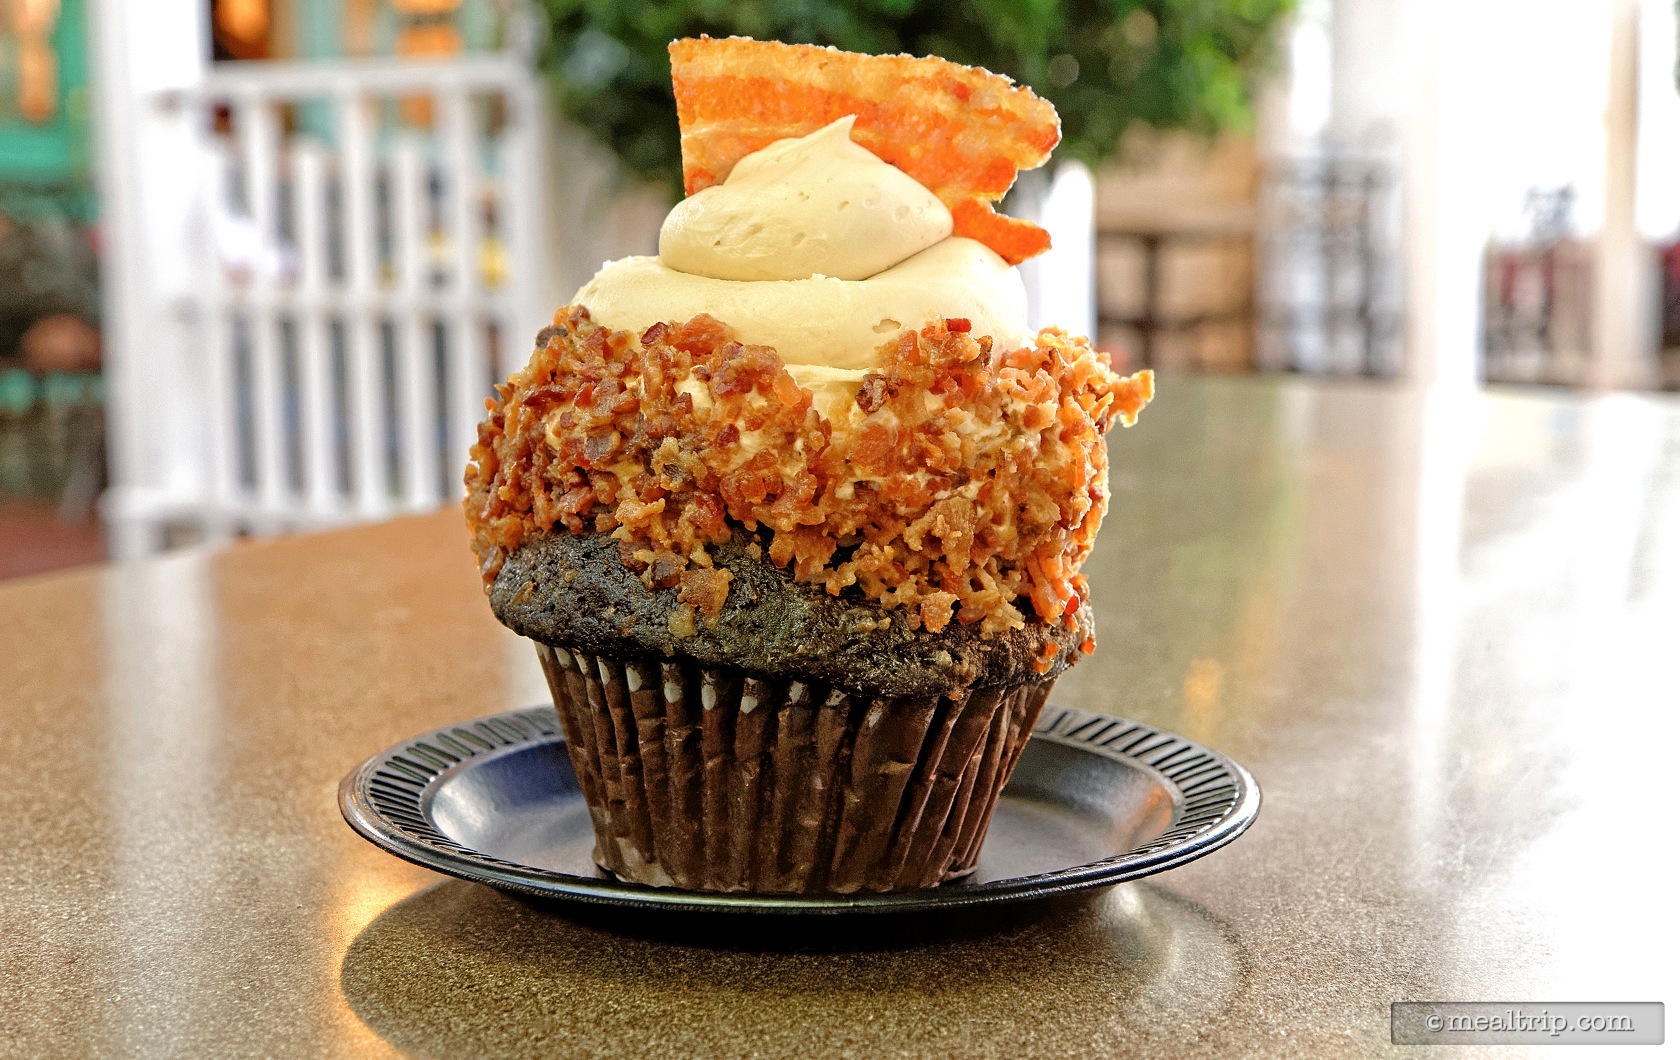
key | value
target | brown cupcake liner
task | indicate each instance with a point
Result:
(712, 779)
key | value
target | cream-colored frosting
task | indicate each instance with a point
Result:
(833, 390)
(822, 320)
(820, 310)
(809, 206)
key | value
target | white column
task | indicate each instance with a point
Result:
(1062, 283)
(258, 127)
(1445, 229)
(417, 405)
(1621, 338)
(220, 432)
(1364, 71)
(147, 173)
(465, 383)
(309, 203)
(366, 398)
(535, 291)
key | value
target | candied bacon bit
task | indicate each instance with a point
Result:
(600, 445)
(744, 489)
(1037, 417)
(935, 611)
(702, 334)
(877, 448)
(543, 398)
(706, 588)
(1046, 656)
(577, 500)
(732, 377)
(681, 622)
(665, 571)
(632, 514)
(959, 325)
(875, 391)
(708, 513)
(788, 392)
(1087, 646)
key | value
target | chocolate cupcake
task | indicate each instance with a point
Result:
(800, 552)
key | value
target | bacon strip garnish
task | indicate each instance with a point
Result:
(961, 131)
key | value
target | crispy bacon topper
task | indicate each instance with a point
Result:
(961, 131)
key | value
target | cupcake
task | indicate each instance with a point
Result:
(794, 512)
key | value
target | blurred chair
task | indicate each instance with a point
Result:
(1668, 283)
(1538, 317)
(1175, 254)
(1329, 279)
(1537, 321)
(1208, 251)
(351, 280)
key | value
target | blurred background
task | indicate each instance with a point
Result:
(261, 260)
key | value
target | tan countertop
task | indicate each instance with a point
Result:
(1452, 666)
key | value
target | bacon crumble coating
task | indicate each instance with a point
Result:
(961, 131)
(966, 482)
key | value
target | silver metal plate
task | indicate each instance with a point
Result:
(1095, 800)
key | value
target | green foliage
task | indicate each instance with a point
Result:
(1105, 64)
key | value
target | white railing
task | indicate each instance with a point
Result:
(361, 282)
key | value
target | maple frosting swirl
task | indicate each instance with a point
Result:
(820, 249)
(815, 205)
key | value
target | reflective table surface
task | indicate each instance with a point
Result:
(1444, 633)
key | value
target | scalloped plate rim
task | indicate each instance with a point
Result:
(389, 835)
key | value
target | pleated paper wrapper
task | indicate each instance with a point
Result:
(715, 780)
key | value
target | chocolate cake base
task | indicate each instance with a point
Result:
(574, 589)
(708, 778)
